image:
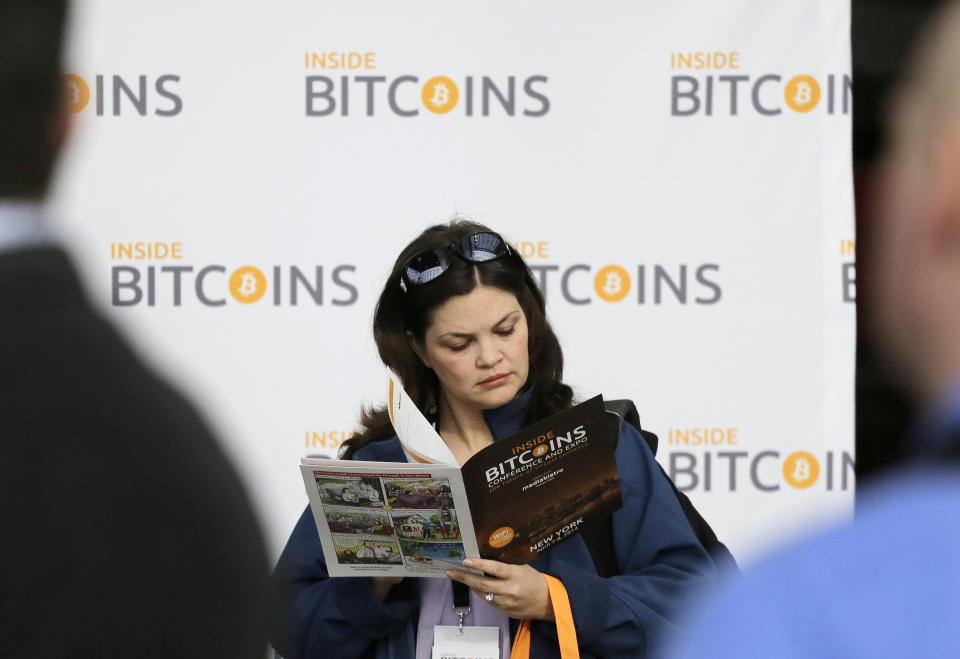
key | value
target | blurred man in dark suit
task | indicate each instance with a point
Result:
(124, 531)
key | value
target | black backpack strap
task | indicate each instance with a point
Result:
(627, 411)
(598, 533)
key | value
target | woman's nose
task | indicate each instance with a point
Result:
(489, 355)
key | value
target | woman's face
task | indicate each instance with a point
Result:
(477, 346)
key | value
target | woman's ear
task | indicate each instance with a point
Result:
(417, 348)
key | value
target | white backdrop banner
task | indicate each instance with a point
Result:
(678, 176)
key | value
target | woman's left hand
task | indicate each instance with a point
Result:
(518, 590)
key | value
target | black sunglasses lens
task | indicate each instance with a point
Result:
(484, 246)
(426, 266)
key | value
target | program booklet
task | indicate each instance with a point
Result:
(509, 502)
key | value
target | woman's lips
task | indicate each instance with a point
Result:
(495, 381)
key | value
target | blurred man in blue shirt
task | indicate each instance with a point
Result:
(889, 585)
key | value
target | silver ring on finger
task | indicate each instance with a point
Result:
(489, 598)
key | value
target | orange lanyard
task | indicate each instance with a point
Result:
(566, 632)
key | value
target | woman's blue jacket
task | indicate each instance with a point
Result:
(660, 560)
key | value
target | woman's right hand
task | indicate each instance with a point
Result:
(382, 586)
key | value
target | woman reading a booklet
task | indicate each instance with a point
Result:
(461, 320)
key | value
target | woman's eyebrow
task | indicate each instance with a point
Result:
(501, 321)
(467, 335)
(455, 335)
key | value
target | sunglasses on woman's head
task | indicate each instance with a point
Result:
(430, 264)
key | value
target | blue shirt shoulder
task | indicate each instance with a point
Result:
(884, 586)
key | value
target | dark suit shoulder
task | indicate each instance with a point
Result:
(130, 518)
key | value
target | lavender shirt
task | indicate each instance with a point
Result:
(436, 608)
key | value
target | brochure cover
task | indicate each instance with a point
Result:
(535, 489)
(509, 502)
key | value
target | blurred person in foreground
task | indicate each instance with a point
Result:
(887, 585)
(125, 531)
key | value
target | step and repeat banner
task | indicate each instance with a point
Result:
(239, 181)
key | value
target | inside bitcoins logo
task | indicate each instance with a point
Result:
(715, 83)
(655, 283)
(731, 469)
(116, 95)
(349, 86)
(159, 274)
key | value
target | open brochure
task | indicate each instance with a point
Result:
(509, 502)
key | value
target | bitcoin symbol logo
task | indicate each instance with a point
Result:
(801, 470)
(77, 93)
(247, 284)
(440, 95)
(802, 93)
(540, 450)
(612, 283)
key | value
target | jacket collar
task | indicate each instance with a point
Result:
(507, 419)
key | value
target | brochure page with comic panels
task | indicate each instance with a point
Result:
(389, 519)
(510, 502)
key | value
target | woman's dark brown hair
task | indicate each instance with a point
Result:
(399, 312)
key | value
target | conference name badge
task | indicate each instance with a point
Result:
(466, 643)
